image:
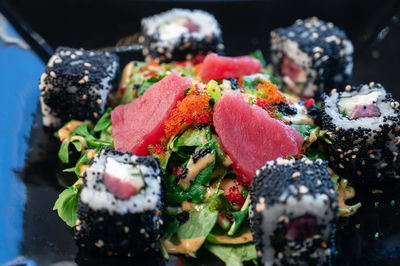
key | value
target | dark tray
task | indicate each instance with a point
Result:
(373, 26)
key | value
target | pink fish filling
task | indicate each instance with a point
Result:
(121, 189)
(303, 226)
(192, 27)
(361, 110)
(290, 68)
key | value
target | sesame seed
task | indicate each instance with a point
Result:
(58, 61)
(84, 96)
(323, 244)
(371, 84)
(303, 189)
(324, 58)
(99, 101)
(67, 53)
(384, 165)
(141, 39)
(317, 55)
(73, 56)
(348, 88)
(315, 35)
(296, 174)
(53, 74)
(87, 64)
(354, 156)
(86, 78)
(359, 172)
(99, 243)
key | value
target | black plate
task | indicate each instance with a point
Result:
(372, 25)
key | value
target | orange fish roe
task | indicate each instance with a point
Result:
(271, 93)
(185, 113)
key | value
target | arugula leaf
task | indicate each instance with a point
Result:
(67, 204)
(257, 54)
(104, 122)
(233, 255)
(63, 153)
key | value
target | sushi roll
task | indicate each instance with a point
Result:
(75, 85)
(121, 205)
(363, 125)
(312, 56)
(293, 212)
(180, 34)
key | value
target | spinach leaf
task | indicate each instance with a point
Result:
(78, 145)
(200, 222)
(233, 255)
(192, 137)
(239, 217)
(104, 122)
(171, 228)
(63, 153)
(303, 129)
(197, 193)
(67, 204)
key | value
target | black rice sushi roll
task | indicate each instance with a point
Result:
(180, 34)
(293, 212)
(121, 205)
(363, 125)
(75, 85)
(312, 56)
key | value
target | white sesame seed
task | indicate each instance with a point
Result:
(53, 74)
(87, 64)
(303, 189)
(295, 174)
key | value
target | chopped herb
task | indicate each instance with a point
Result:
(376, 204)
(376, 235)
(392, 203)
(336, 253)
(345, 113)
(377, 191)
(358, 226)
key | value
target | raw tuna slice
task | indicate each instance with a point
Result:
(250, 136)
(141, 122)
(220, 67)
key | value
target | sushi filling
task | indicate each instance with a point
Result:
(360, 105)
(123, 180)
(302, 227)
(291, 236)
(175, 28)
(294, 75)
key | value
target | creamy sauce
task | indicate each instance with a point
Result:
(349, 103)
(195, 168)
(187, 246)
(187, 206)
(65, 132)
(81, 140)
(345, 193)
(301, 117)
(245, 238)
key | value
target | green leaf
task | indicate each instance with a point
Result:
(104, 122)
(197, 192)
(192, 137)
(171, 228)
(148, 83)
(313, 153)
(304, 129)
(63, 153)
(204, 175)
(233, 255)
(239, 217)
(200, 222)
(78, 145)
(257, 54)
(67, 204)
